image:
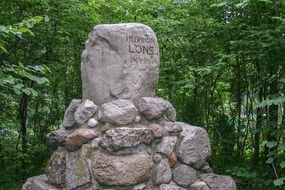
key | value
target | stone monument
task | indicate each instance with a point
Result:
(120, 136)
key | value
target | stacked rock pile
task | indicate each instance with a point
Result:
(120, 136)
(122, 146)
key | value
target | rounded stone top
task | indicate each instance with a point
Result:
(120, 61)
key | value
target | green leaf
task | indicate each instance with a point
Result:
(269, 160)
(282, 164)
(271, 144)
(279, 182)
(26, 91)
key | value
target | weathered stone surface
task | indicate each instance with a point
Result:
(199, 185)
(57, 138)
(167, 144)
(118, 112)
(162, 172)
(79, 137)
(155, 108)
(77, 172)
(218, 182)
(172, 128)
(68, 120)
(170, 187)
(156, 158)
(184, 175)
(92, 122)
(56, 166)
(121, 170)
(139, 187)
(206, 168)
(124, 137)
(158, 131)
(84, 111)
(38, 183)
(120, 61)
(194, 147)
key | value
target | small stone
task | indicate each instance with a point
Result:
(167, 145)
(156, 158)
(77, 172)
(218, 182)
(172, 128)
(172, 159)
(139, 187)
(194, 147)
(206, 168)
(119, 112)
(86, 150)
(138, 119)
(68, 120)
(162, 172)
(92, 122)
(84, 111)
(56, 166)
(121, 170)
(57, 138)
(199, 185)
(184, 175)
(124, 137)
(155, 108)
(79, 137)
(38, 183)
(158, 131)
(95, 143)
(170, 187)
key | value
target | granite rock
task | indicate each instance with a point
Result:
(69, 120)
(84, 112)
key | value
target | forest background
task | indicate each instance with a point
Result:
(222, 66)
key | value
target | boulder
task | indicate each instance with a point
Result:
(184, 175)
(155, 108)
(84, 112)
(172, 128)
(218, 182)
(199, 185)
(121, 170)
(57, 138)
(38, 183)
(170, 186)
(158, 131)
(68, 120)
(77, 172)
(79, 137)
(120, 61)
(124, 137)
(167, 145)
(118, 112)
(56, 167)
(194, 147)
(162, 172)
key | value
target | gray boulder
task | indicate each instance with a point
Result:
(162, 172)
(77, 172)
(199, 185)
(57, 138)
(167, 145)
(218, 182)
(79, 137)
(194, 147)
(155, 108)
(38, 183)
(124, 137)
(68, 120)
(118, 112)
(56, 167)
(84, 112)
(120, 61)
(171, 186)
(184, 175)
(121, 170)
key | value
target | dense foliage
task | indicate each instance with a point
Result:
(222, 66)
